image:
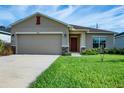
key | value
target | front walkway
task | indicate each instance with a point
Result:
(75, 54)
(19, 71)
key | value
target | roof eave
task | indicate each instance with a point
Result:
(83, 30)
(101, 32)
(5, 33)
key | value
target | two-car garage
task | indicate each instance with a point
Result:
(39, 34)
(39, 43)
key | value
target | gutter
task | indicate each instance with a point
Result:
(6, 33)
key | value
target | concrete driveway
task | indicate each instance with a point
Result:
(19, 71)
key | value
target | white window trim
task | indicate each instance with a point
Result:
(98, 38)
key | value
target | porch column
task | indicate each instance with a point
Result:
(65, 42)
(83, 41)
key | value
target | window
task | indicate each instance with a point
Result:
(98, 41)
(95, 42)
(37, 20)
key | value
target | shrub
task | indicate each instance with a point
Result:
(67, 54)
(122, 51)
(92, 51)
(106, 50)
(1, 46)
(95, 51)
(115, 51)
(5, 49)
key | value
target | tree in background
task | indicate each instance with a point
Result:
(3, 28)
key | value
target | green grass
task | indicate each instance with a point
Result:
(84, 72)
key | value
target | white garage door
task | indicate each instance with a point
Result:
(39, 44)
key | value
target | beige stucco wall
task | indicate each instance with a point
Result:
(119, 42)
(83, 40)
(47, 25)
(89, 40)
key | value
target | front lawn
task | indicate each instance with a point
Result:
(84, 72)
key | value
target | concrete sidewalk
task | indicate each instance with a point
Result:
(75, 54)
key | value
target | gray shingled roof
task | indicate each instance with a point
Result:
(91, 29)
(5, 32)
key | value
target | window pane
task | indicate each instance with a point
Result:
(95, 42)
(103, 41)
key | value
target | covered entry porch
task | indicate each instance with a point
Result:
(77, 41)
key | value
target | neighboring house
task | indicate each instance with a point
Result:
(119, 40)
(5, 36)
(40, 34)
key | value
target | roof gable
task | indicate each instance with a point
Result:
(24, 19)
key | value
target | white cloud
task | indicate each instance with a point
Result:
(10, 14)
(107, 20)
(111, 19)
(6, 15)
(55, 12)
(61, 14)
(20, 9)
(46, 9)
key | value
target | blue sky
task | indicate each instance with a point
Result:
(108, 17)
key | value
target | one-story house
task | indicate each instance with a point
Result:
(119, 40)
(5, 36)
(41, 34)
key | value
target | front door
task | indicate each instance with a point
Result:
(74, 44)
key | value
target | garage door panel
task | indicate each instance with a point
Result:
(39, 44)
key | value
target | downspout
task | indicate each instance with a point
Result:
(114, 40)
